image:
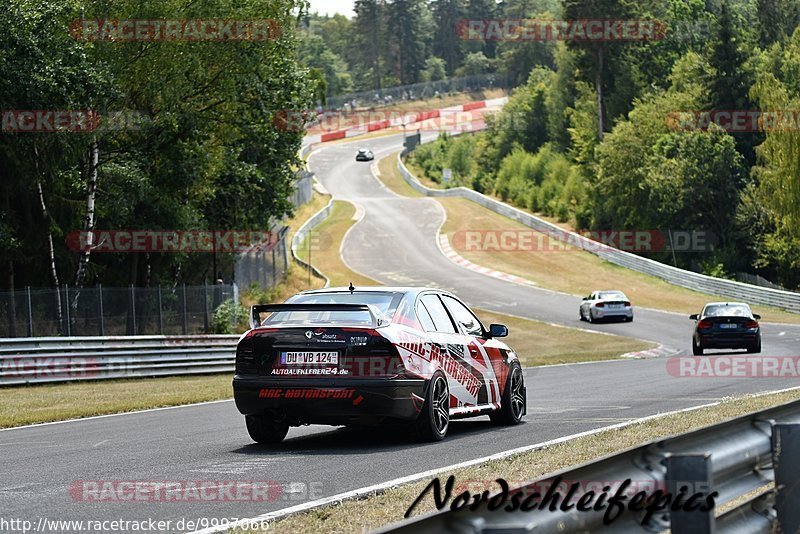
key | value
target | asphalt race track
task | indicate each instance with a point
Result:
(394, 243)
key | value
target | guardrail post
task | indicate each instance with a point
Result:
(30, 310)
(102, 324)
(786, 460)
(185, 320)
(160, 313)
(694, 471)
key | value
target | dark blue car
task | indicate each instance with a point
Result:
(726, 325)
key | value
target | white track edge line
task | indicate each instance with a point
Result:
(378, 488)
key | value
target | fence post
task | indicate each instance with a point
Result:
(160, 313)
(11, 303)
(205, 308)
(30, 310)
(235, 319)
(274, 269)
(132, 300)
(100, 312)
(184, 313)
(694, 471)
(786, 460)
(66, 309)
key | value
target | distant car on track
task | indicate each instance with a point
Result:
(606, 305)
(365, 154)
(726, 325)
(376, 355)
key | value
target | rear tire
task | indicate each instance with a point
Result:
(512, 405)
(434, 419)
(591, 317)
(580, 311)
(697, 350)
(266, 429)
(755, 349)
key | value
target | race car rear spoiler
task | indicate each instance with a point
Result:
(375, 314)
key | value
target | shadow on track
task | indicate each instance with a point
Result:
(361, 440)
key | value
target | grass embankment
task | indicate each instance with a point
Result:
(555, 266)
(388, 507)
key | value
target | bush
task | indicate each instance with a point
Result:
(228, 318)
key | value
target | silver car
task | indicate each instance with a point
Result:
(606, 305)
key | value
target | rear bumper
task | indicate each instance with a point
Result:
(728, 341)
(330, 401)
(607, 312)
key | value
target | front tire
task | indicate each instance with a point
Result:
(512, 405)
(697, 350)
(434, 419)
(266, 429)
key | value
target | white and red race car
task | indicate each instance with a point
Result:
(348, 356)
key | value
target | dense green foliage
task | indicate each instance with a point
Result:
(595, 137)
(400, 42)
(204, 152)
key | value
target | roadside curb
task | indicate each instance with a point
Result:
(455, 257)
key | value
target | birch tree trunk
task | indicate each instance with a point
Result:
(88, 224)
(50, 249)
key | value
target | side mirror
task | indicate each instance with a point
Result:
(498, 330)
(585, 298)
(757, 317)
(694, 316)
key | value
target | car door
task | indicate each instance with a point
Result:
(482, 355)
(448, 350)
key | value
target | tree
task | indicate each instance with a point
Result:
(435, 70)
(405, 40)
(371, 39)
(446, 43)
(596, 60)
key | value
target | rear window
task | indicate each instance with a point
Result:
(385, 303)
(723, 310)
(611, 295)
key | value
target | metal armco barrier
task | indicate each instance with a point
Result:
(730, 289)
(42, 360)
(752, 461)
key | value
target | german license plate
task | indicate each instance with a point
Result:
(310, 358)
(729, 325)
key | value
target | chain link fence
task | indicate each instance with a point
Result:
(264, 265)
(112, 311)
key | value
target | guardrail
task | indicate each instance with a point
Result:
(731, 289)
(56, 359)
(752, 461)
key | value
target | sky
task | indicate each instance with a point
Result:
(329, 7)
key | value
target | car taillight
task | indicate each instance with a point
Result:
(599, 305)
(751, 324)
(704, 324)
(627, 304)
